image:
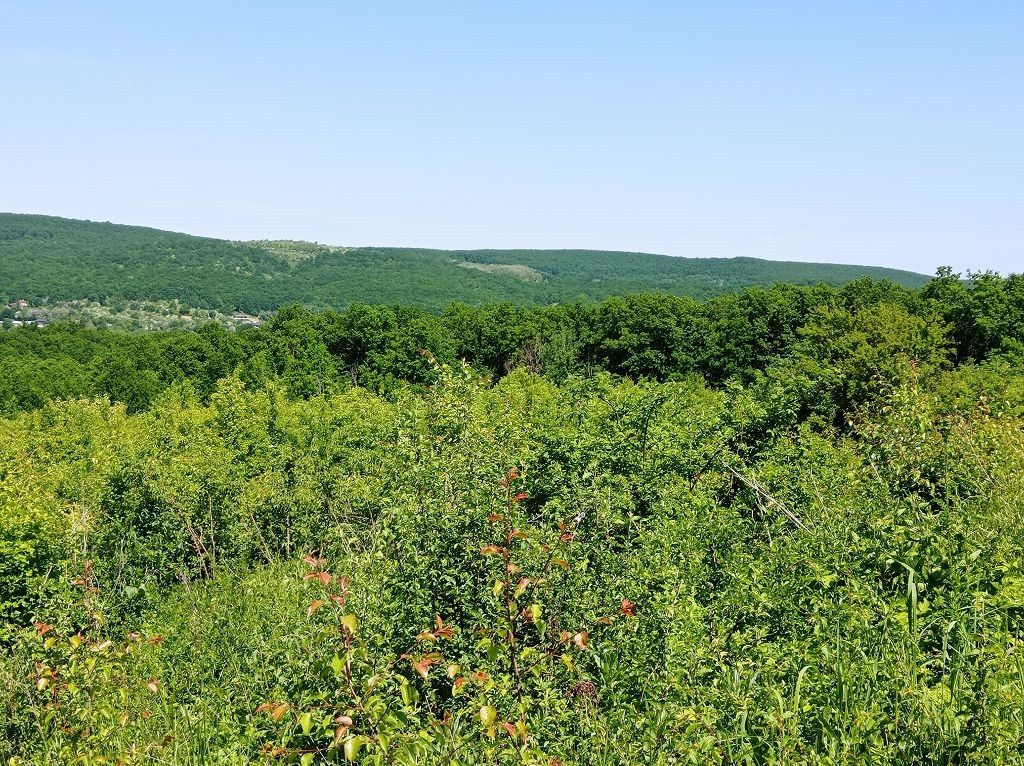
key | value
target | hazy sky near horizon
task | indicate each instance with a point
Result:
(887, 133)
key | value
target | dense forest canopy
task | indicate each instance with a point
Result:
(651, 336)
(780, 525)
(48, 260)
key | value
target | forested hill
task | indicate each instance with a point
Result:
(48, 260)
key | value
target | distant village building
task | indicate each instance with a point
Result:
(245, 320)
(23, 316)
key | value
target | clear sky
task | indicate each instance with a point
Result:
(877, 132)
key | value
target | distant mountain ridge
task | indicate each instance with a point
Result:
(49, 260)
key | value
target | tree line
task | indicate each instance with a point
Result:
(652, 336)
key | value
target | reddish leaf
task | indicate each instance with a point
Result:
(43, 628)
(423, 666)
(494, 517)
(520, 497)
(279, 711)
(323, 577)
(314, 606)
(442, 630)
(343, 724)
(581, 639)
(511, 730)
(491, 550)
(627, 608)
(567, 537)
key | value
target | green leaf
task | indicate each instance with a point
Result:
(488, 714)
(409, 694)
(350, 623)
(351, 747)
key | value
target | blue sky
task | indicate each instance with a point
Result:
(887, 133)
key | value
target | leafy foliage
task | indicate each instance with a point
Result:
(776, 527)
